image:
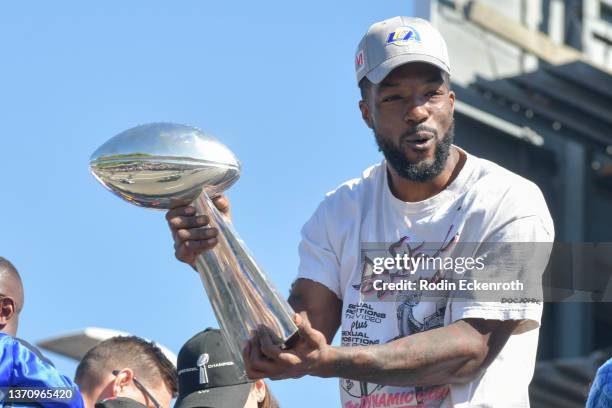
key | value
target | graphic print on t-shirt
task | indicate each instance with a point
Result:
(413, 314)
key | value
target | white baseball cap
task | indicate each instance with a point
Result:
(397, 41)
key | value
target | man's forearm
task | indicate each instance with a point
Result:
(322, 306)
(440, 356)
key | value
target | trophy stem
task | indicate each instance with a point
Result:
(241, 295)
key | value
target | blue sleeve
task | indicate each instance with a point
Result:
(6, 360)
(600, 395)
(21, 366)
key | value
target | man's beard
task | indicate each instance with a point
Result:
(418, 171)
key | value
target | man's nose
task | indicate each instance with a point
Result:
(416, 113)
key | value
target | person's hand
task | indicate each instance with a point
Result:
(263, 358)
(191, 233)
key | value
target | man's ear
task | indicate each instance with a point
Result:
(7, 310)
(365, 113)
(451, 96)
(123, 379)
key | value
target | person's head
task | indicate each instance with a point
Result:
(208, 377)
(403, 73)
(128, 367)
(11, 297)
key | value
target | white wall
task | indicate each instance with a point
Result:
(473, 51)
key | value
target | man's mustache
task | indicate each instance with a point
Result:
(418, 129)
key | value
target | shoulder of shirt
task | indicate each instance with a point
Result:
(7, 340)
(495, 179)
(502, 188)
(354, 187)
(34, 350)
(348, 197)
(52, 378)
(10, 341)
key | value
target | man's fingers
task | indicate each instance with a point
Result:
(180, 211)
(190, 236)
(196, 234)
(180, 221)
(254, 374)
(304, 328)
(188, 250)
(222, 204)
(197, 247)
(265, 359)
(268, 332)
(272, 350)
(268, 348)
(182, 254)
(255, 348)
(246, 357)
(301, 322)
(263, 366)
(258, 363)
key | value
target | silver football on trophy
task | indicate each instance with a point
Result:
(164, 165)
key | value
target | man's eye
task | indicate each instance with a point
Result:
(433, 94)
(391, 98)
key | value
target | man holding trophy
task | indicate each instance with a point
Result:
(402, 350)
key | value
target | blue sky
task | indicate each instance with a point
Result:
(273, 80)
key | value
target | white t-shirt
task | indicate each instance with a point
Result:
(485, 203)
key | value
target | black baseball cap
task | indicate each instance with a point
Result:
(208, 376)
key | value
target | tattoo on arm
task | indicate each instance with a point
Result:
(453, 354)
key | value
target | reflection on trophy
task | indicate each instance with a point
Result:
(164, 165)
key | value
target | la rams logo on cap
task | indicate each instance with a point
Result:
(403, 36)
